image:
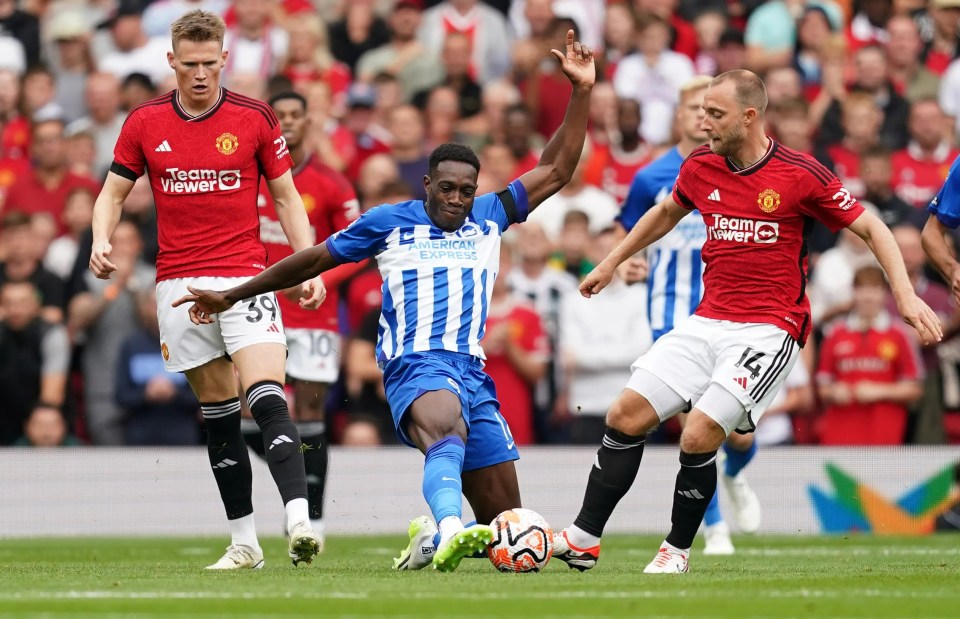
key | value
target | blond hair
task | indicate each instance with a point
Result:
(697, 82)
(198, 26)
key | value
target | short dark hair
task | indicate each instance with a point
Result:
(289, 94)
(139, 79)
(453, 152)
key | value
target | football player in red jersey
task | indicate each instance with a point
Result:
(206, 149)
(725, 363)
(313, 339)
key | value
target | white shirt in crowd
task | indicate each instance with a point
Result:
(599, 207)
(656, 88)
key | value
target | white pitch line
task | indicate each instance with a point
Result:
(822, 551)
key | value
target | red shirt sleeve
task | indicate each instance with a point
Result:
(681, 189)
(831, 204)
(272, 151)
(128, 157)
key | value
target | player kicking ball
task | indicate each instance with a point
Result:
(439, 259)
(206, 149)
(726, 362)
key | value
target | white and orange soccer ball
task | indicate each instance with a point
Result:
(522, 541)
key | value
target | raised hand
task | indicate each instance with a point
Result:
(577, 64)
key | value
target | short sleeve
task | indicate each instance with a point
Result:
(681, 189)
(129, 160)
(506, 207)
(946, 204)
(272, 152)
(363, 238)
(831, 203)
(638, 201)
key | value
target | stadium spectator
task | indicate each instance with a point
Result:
(46, 427)
(256, 44)
(137, 88)
(22, 263)
(919, 169)
(407, 147)
(573, 247)
(361, 432)
(541, 82)
(910, 77)
(359, 31)
(404, 56)
(106, 117)
(612, 165)
(309, 58)
(579, 196)
(61, 255)
(871, 76)
(81, 154)
(497, 97)
(876, 172)
(367, 137)
(249, 84)
(944, 46)
(814, 34)
(869, 370)
(102, 318)
(831, 285)
(140, 210)
(771, 33)
(869, 24)
(442, 115)
(709, 25)
(376, 173)
(14, 127)
(34, 355)
(731, 52)
(652, 76)
(861, 130)
(620, 36)
(547, 289)
(39, 94)
(516, 348)
(518, 135)
(22, 27)
(72, 60)
(497, 167)
(156, 407)
(134, 51)
(455, 59)
(487, 29)
(598, 343)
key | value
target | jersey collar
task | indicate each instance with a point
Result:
(191, 118)
(771, 149)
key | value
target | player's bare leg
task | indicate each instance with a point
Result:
(435, 425)
(261, 369)
(492, 490)
(215, 386)
(310, 411)
(614, 469)
(696, 485)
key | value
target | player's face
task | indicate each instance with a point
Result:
(293, 120)
(198, 66)
(722, 119)
(450, 194)
(690, 113)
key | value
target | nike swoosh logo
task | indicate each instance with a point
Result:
(449, 479)
(510, 445)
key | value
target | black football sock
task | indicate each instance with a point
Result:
(228, 456)
(313, 435)
(252, 436)
(613, 472)
(696, 484)
(281, 442)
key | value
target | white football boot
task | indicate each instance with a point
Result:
(746, 505)
(669, 560)
(239, 557)
(419, 552)
(304, 543)
(717, 538)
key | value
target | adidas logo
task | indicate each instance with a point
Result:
(273, 328)
(164, 148)
(224, 463)
(280, 440)
(714, 195)
(691, 494)
(742, 381)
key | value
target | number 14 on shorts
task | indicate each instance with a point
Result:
(750, 360)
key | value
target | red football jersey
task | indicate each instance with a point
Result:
(205, 172)
(917, 179)
(612, 170)
(884, 353)
(331, 205)
(757, 221)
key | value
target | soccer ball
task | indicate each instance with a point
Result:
(522, 541)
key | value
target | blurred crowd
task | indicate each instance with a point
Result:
(871, 88)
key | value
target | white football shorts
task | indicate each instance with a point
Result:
(313, 355)
(185, 345)
(750, 360)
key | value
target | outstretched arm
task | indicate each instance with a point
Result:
(878, 237)
(290, 271)
(656, 222)
(562, 152)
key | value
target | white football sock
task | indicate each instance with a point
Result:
(580, 538)
(318, 526)
(684, 551)
(243, 532)
(297, 511)
(449, 526)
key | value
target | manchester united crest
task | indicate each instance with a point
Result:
(165, 351)
(887, 350)
(227, 144)
(768, 200)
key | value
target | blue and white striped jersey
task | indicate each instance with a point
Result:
(436, 284)
(675, 282)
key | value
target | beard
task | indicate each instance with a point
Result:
(730, 142)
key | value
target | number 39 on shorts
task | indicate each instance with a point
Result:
(259, 307)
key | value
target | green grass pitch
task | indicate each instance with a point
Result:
(781, 577)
